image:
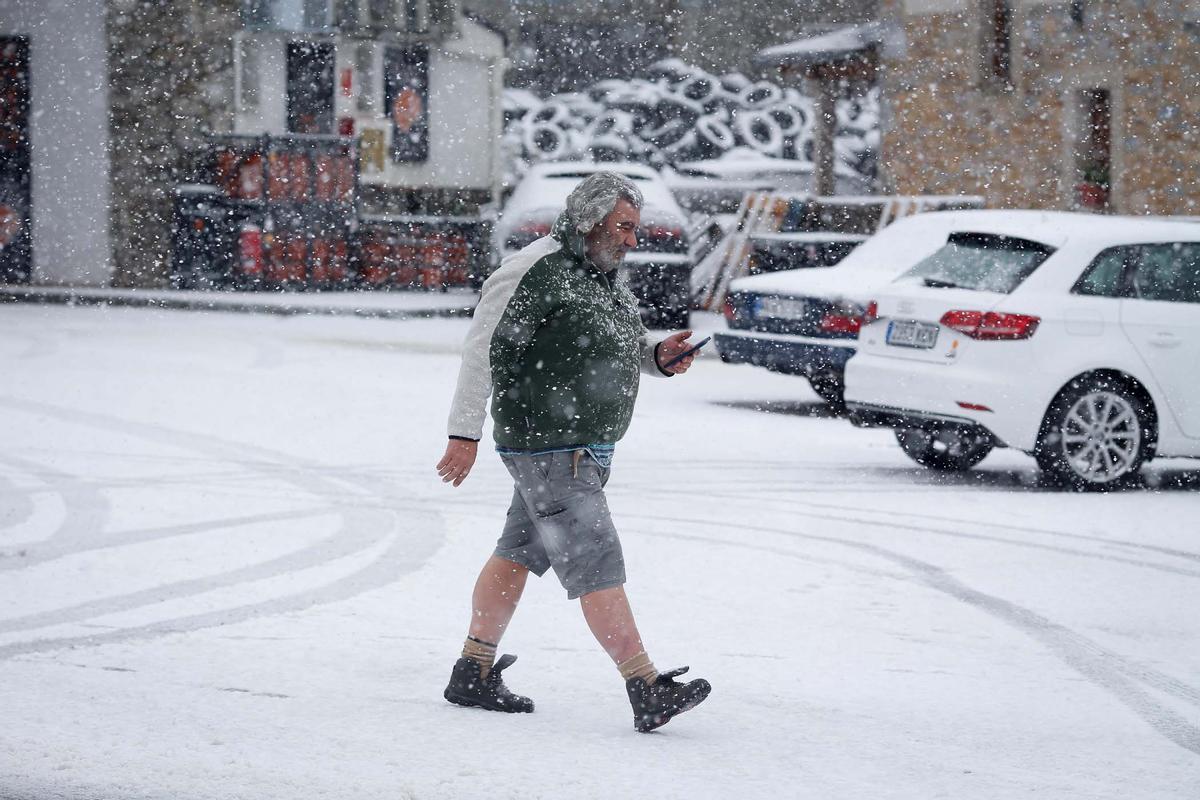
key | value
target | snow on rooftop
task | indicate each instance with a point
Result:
(824, 47)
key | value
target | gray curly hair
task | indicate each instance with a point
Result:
(596, 197)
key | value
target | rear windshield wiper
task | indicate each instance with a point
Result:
(939, 283)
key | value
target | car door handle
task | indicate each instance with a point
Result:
(1165, 340)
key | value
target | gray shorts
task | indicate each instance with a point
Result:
(559, 518)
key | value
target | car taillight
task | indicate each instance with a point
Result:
(871, 314)
(729, 311)
(526, 234)
(991, 325)
(845, 319)
(841, 323)
(534, 229)
(662, 232)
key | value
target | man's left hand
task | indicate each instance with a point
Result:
(672, 346)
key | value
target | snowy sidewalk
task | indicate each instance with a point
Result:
(389, 304)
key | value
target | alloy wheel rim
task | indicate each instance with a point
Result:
(952, 443)
(1101, 437)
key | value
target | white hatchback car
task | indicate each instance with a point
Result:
(1072, 337)
(806, 321)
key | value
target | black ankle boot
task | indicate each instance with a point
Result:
(466, 688)
(654, 704)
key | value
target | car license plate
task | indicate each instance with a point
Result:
(912, 334)
(781, 308)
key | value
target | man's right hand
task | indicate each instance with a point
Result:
(457, 462)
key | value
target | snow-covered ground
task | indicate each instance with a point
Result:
(228, 570)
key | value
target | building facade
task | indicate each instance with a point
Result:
(54, 167)
(1064, 104)
(114, 101)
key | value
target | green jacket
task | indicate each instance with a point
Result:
(559, 346)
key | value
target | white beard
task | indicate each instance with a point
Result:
(609, 260)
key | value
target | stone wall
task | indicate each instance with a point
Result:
(948, 129)
(1161, 133)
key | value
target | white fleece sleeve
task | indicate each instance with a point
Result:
(650, 357)
(474, 389)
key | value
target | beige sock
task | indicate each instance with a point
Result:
(640, 666)
(484, 653)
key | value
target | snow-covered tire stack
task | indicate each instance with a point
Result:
(680, 113)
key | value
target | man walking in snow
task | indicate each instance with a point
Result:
(557, 344)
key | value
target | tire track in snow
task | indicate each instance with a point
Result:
(401, 557)
(16, 505)
(852, 513)
(1102, 667)
(358, 532)
(85, 507)
(791, 488)
(37, 553)
(1157, 479)
(489, 511)
(397, 560)
(848, 515)
(296, 560)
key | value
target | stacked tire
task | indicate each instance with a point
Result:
(679, 113)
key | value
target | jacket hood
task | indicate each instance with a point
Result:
(571, 239)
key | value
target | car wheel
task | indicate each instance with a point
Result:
(830, 386)
(950, 448)
(1095, 436)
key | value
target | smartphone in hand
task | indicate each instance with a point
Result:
(687, 352)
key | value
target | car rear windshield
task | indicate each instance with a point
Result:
(981, 261)
(582, 175)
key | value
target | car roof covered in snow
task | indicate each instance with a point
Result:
(1055, 228)
(744, 163)
(545, 187)
(581, 169)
